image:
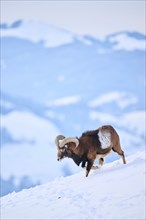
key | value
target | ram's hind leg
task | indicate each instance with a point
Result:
(119, 151)
(123, 156)
(100, 162)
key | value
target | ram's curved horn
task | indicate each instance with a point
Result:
(68, 140)
(58, 138)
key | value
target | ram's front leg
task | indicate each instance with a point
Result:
(83, 164)
(89, 165)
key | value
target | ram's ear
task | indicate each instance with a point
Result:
(66, 146)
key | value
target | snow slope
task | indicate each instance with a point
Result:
(115, 191)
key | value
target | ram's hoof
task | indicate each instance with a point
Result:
(94, 167)
(87, 172)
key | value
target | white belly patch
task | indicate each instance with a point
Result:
(105, 139)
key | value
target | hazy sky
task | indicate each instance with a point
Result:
(97, 18)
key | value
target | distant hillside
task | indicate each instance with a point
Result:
(80, 66)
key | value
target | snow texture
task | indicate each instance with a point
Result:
(115, 191)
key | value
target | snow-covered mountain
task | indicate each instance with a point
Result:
(115, 191)
(56, 82)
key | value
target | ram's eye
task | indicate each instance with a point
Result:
(62, 150)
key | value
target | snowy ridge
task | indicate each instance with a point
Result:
(115, 191)
(27, 126)
(52, 36)
(125, 42)
(122, 99)
(39, 31)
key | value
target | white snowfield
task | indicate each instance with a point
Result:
(116, 191)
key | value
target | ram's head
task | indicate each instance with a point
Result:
(64, 146)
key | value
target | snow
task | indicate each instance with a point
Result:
(6, 104)
(37, 31)
(51, 36)
(125, 42)
(52, 115)
(26, 125)
(68, 100)
(34, 153)
(115, 191)
(35, 138)
(133, 121)
(101, 116)
(40, 31)
(122, 99)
